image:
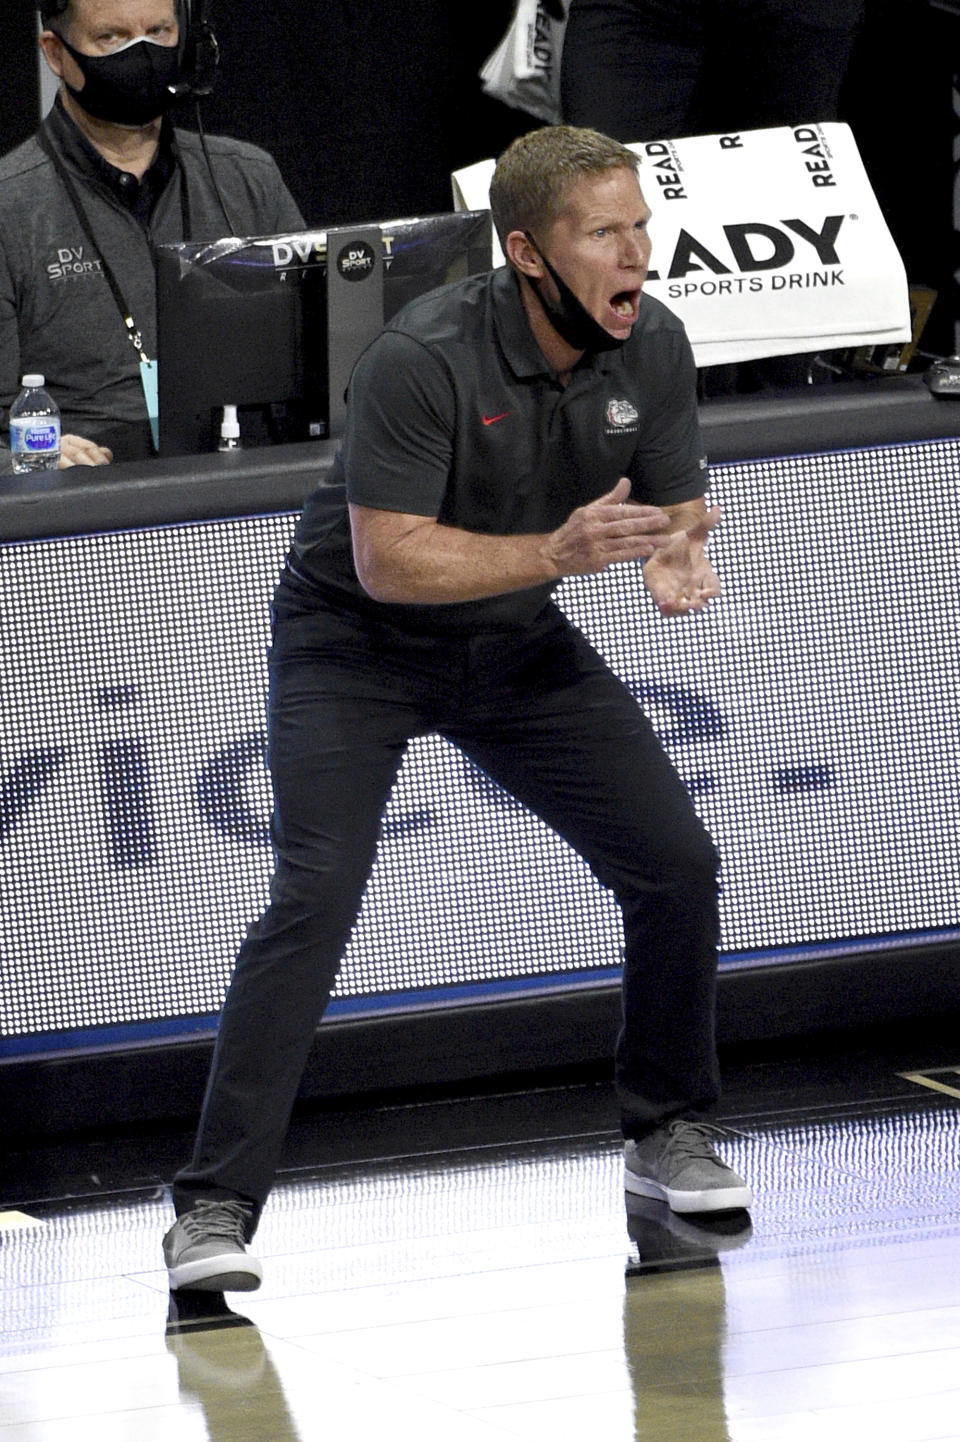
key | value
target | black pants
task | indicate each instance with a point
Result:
(540, 713)
(660, 69)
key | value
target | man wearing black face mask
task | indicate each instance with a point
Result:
(502, 433)
(84, 202)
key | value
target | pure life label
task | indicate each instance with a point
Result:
(37, 437)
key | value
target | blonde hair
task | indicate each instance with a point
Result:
(535, 173)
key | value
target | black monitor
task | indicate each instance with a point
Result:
(266, 324)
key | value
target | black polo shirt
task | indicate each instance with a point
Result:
(453, 412)
(137, 196)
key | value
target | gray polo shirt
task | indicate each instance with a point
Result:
(453, 412)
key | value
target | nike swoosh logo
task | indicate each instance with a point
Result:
(491, 420)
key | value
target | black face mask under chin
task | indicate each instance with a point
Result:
(571, 319)
(129, 87)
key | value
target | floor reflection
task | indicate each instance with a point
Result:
(190, 1311)
(674, 1319)
(222, 1363)
(673, 1336)
(461, 1296)
(667, 1242)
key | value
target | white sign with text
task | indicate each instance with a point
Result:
(768, 242)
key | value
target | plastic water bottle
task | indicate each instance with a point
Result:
(34, 428)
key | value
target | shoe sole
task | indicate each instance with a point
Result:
(719, 1199)
(217, 1274)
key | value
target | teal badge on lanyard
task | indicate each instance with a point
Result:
(151, 394)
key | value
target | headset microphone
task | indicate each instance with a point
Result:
(201, 55)
(199, 60)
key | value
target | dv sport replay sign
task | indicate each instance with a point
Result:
(766, 242)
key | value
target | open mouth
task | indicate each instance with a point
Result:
(625, 305)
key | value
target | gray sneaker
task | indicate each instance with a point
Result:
(205, 1249)
(678, 1164)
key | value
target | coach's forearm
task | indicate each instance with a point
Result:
(415, 560)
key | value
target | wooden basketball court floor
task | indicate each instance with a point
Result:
(465, 1268)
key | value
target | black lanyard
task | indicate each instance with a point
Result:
(132, 329)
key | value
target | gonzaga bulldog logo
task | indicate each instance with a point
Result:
(621, 414)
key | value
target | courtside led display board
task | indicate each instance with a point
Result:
(812, 712)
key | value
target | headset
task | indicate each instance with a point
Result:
(199, 51)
